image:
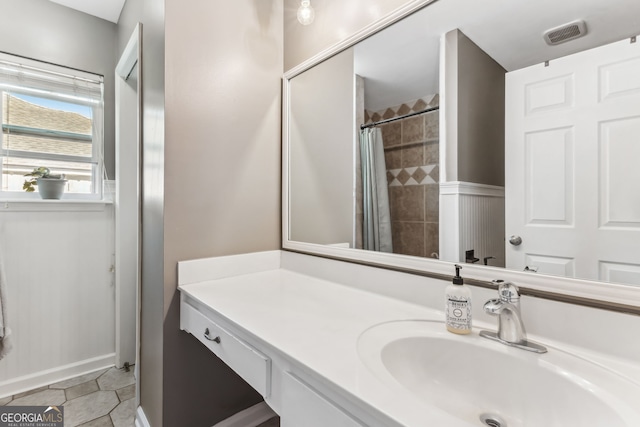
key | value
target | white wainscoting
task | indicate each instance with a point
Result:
(58, 258)
(472, 217)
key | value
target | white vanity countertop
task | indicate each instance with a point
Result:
(317, 323)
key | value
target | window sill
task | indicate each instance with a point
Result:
(40, 205)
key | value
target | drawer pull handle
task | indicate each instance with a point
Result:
(206, 335)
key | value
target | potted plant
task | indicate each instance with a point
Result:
(50, 186)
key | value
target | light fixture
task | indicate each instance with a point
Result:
(306, 12)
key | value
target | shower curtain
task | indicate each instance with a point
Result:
(376, 233)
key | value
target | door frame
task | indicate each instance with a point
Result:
(128, 217)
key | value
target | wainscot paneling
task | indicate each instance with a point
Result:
(58, 258)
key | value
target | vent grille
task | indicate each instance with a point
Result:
(566, 32)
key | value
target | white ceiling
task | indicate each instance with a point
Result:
(106, 9)
(401, 63)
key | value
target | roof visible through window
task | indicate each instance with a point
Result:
(56, 105)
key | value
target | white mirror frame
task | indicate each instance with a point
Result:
(610, 296)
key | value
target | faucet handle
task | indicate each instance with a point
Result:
(508, 291)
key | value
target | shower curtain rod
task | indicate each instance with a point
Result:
(381, 122)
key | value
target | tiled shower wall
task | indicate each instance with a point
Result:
(412, 157)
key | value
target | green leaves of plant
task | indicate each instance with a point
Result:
(40, 172)
(28, 185)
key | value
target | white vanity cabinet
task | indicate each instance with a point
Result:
(302, 406)
(314, 349)
(252, 365)
(298, 402)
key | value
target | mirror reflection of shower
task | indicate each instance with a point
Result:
(410, 146)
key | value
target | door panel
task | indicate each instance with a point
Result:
(548, 179)
(551, 265)
(619, 173)
(572, 149)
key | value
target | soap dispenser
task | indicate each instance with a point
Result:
(458, 305)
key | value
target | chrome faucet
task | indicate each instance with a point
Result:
(510, 327)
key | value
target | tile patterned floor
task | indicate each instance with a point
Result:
(104, 398)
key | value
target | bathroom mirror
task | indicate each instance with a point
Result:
(494, 172)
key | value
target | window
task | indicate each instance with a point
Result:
(52, 116)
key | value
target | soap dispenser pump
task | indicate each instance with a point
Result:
(458, 305)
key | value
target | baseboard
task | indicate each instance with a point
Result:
(43, 378)
(141, 418)
(250, 417)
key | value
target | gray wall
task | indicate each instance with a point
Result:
(480, 115)
(152, 298)
(473, 99)
(211, 146)
(321, 129)
(222, 175)
(46, 31)
(131, 14)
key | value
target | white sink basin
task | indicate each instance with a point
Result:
(471, 377)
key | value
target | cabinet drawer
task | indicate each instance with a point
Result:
(302, 406)
(253, 366)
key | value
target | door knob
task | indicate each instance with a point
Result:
(515, 240)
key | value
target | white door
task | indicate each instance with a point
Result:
(573, 165)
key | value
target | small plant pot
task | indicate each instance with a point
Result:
(51, 188)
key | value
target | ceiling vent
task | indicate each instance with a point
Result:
(565, 32)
